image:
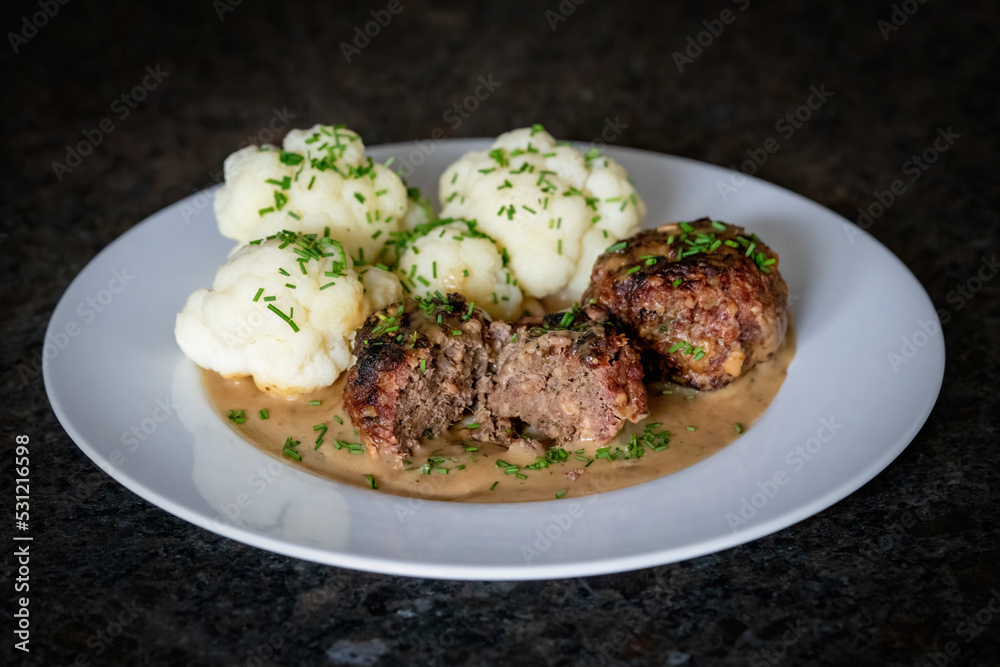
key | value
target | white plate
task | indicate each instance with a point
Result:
(133, 403)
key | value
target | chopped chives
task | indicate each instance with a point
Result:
(286, 318)
(560, 493)
(259, 292)
(738, 427)
(263, 413)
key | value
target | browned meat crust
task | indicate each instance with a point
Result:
(567, 377)
(703, 301)
(418, 365)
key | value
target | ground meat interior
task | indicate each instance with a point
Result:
(567, 378)
(425, 364)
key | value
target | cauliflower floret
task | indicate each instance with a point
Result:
(553, 208)
(419, 210)
(321, 178)
(286, 320)
(453, 256)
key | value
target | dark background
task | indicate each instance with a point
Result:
(887, 576)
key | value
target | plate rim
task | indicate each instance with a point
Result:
(519, 571)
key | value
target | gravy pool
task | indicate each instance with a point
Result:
(454, 468)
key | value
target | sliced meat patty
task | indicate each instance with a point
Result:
(567, 377)
(419, 364)
(703, 301)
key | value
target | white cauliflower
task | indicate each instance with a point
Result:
(419, 210)
(453, 256)
(321, 178)
(283, 311)
(553, 208)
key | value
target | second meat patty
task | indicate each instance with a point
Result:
(702, 300)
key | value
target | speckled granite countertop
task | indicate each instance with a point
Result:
(891, 575)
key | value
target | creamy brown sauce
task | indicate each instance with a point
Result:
(446, 469)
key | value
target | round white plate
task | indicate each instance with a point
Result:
(868, 368)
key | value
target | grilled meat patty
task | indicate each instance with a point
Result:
(419, 364)
(425, 364)
(703, 301)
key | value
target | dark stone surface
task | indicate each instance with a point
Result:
(887, 576)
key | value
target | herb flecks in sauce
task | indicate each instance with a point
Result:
(454, 468)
